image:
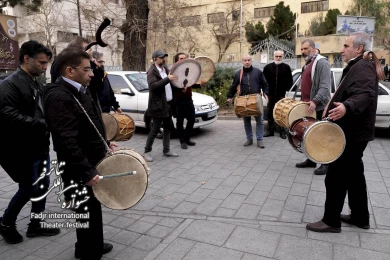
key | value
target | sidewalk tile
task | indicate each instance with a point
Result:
(176, 250)
(342, 252)
(209, 252)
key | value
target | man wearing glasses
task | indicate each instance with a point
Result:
(279, 79)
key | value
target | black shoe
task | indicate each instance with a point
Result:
(268, 133)
(191, 143)
(183, 146)
(10, 234)
(36, 230)
(306, 164)
(322, 170)
(107, 247)
(349, 220)
(283, 135)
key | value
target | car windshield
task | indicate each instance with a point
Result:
(139, 81)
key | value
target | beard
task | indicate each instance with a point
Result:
(277, 62)
(307, 57)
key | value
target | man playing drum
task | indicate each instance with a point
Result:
(78, 143)
(315, 89)
(252, 82)
(279, 79)
(353, 108)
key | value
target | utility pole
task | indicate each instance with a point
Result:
(79, 17)
(240, 27)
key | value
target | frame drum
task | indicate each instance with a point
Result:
(188, 72)
(207, 69)
(125, 191)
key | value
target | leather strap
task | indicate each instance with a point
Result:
(238, 87)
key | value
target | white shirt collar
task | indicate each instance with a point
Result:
(73, 83)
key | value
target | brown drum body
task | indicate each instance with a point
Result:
(321, 141)
(119, 127)
(287, 110)
(126, 191)
(207, 69)
(188, 72)
(249, 105)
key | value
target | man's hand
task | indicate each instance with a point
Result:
(119, 110)
(312, 107)
(94, 181)
(172, 77)
(338, 112)
(229, 100)
(266, 97)
(112, 145)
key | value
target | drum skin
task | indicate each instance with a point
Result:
(287, 110)
(111, 125)
(119, 127)
(207, 69)
(188, 72)
(321, 141)
(126, 191)
(249, 105)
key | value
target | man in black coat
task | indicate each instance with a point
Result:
(25, 141)
(386, 71)
(279, 79)
(353, 108)
(159, 105)
(78, 143)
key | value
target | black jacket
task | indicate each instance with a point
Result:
(23, 128)
(157, 105)
(107, 97)
(358, 91)
(279, 79)
(74, 138)
(252, 82)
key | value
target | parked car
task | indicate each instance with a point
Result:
(383, 109)
(132, 92)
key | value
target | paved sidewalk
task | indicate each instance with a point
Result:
(221, 200)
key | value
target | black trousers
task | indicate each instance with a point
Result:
(157, 121)
(270, 115)
(346, 174)
(185, 109)
(90, 240)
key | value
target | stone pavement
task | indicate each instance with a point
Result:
(221, 200)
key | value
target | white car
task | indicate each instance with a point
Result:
(132, 92)
(383, 108)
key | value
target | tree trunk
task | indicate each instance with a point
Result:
(135, 34)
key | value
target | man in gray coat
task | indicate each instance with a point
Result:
(315, 89)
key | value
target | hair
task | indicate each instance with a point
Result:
(70, 57)
(363, 39)
(97, 55)
(278, 51)
(374, 59)
(310, 41)
(32, 49)
(77, 42)
(177, 56)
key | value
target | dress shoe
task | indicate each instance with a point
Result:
(348, 219)
(183, 146)
(306, 164)
(268, 133)
(10, 233)
(148, 157)
(36, 230)
(322, 170)
(260, 144)
(283, 135)
(322, 227)
(171, 154)
(191, 143)
(248, 142)
(107, 247)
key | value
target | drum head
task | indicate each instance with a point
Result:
(121, 192)
(207, 69)
(323, 142)
(299, 111)
(126, 127)
(111, 125)
(188, 72)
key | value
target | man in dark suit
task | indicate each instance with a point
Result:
(386, 70)
(159, 105)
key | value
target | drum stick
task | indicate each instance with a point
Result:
(117, 175)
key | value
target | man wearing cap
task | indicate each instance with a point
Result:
(159, 105)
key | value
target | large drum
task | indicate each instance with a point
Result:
(287, 110)
(119, 127)
(207, 69)
(126, 191)
(249, 105)
(188, 72)
(321, 141)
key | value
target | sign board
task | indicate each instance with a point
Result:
(9, 47)
(349, 24)
(264, 58)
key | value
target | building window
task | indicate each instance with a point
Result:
(215, 17)
(235, 15)
(65, 36)
(316, 6)
(190, 21)
(264, 12)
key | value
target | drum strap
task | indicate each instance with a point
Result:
(108, 150)
(239, 85)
